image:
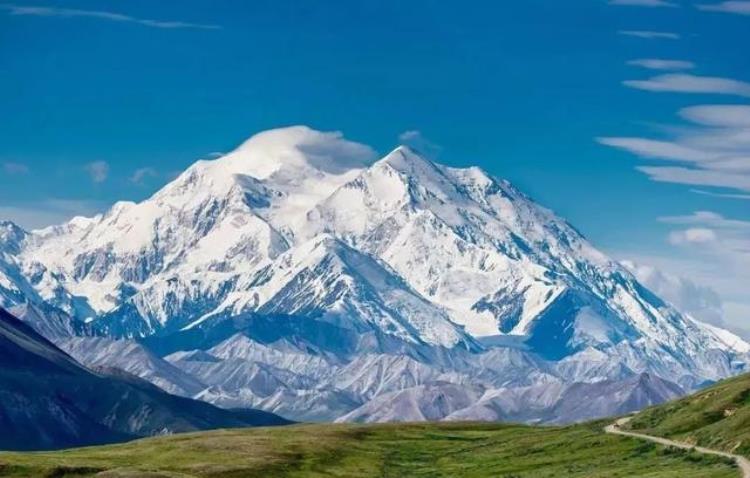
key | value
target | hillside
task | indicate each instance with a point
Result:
(49, 401)
(434, 450)
(717, 417)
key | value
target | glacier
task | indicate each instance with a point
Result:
(302, 275)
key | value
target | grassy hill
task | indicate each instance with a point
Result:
(415, 450)
(717, 417)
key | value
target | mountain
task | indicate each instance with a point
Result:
(133, 358)
(48, 400)
(391, 275)
(717, 417)
(548, 403)
(32, 293)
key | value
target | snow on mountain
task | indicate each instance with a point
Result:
(327, 279)
(424, 274)
(32, 293)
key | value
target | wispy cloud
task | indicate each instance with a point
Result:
(722, 116)
(720, 249)
(656, 149)
(713, 234)
(643, 3)
(15, 168)
(736, 7)
(98, 170)
(685, 83)
(696, 177)
(694, 273)
(720, 195)
(415, 139)
(693, 235)
(140, 175)
(45, 11)
(700, 301)
(650, 35)
(708, 218)
(659, 64)
(713, 149)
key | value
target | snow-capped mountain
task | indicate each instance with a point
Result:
(389, 275)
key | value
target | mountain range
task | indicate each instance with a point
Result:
(301, 275)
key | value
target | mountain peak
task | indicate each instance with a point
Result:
(405, 158)
(10, 232)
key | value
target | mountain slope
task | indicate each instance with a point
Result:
(133, 358)
(32, 293)
(300, 235)
(48, 400)
(717, 417)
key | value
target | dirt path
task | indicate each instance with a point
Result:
(616, 428)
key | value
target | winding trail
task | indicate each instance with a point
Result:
(616, 428)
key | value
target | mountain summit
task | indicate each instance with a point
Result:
(301, 242)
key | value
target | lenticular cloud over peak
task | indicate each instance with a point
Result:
(298, 147)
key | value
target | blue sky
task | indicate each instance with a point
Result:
(627, 117)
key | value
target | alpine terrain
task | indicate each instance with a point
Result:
(301, 275)
(48, 400)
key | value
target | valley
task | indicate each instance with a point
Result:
(471, 450)
(389, 450)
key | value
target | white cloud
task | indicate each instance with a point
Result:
(643, 3)
(98, 170)
(711, 234)
(15, 168)
(43, 11)
(140, 175)
(718, 115)
(708, 218)
(695, 235)
(685, 83)
(650, 35)
(48, 212)
(720, 195)
(736, 7)
(700, 301)
(696, 177)
(714, 149)
(650, 148)
(660, 64)
(719, 259)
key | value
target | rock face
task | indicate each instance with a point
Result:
(48, 400)
(298, 273)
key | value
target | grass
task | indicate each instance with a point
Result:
(717, 417)
(414, 450)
